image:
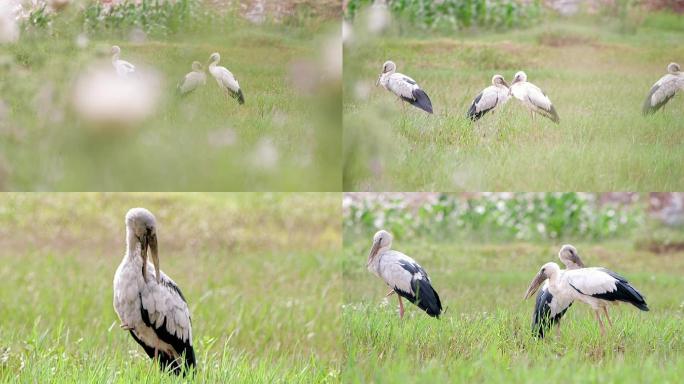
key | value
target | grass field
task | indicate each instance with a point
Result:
(280, 139)
(484, 334)
(596, 77)
(258, 270)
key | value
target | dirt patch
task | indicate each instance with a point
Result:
(561, 39)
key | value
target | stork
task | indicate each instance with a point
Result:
(123, 68)
(597, 287)
(403, 87)
(490, 98)
(532, 97)
(193, 79)
(149, 304)
(225, 79)
(549, 309)
(403, 275)
(664, 89)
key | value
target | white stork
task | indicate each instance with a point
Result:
(193, 79)
(490, 98)
(404, 87)
(123, 68)
(225, 79)
(597, 287)
(533, 97)
(149, 304)
(549, 309)
(403, 275)
(664, 89)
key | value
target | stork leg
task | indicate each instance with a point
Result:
(558, 332)
(598, 318)
(401, 308)
(605, 310)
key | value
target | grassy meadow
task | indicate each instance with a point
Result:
(258, 270)
(484, 334)
(596, 74)
(283, 138)
(481, 252)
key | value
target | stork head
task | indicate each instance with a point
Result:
(116, 50)
(196, 66)
(520, 77)
(568, 255)
(389, 67)
(142, 227)
(382, 239)
(214, 58)
(499, 80)
(673, 68)
(547, 271)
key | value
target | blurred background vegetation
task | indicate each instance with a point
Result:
(457, 15)
(653, 221)
(286, 56)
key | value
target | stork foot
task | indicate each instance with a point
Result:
(126, 327)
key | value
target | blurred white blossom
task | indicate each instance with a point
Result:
(103, 98)
(9, 27)
(379, 17)
(265, 155)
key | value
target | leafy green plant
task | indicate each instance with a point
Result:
(458, 14)
(524, 216)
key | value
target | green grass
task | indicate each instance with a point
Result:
(258, 270)
(203, 142)
(484, 334)
(596, 77)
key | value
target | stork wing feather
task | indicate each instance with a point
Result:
(604, 284)
(164, 309)
(661, 92)
(402, 85)
(486, 101)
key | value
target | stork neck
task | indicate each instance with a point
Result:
(132, 246)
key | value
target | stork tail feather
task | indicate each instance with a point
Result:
(420, 100)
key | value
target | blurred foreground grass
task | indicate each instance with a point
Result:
(285, 137)
(259, 272)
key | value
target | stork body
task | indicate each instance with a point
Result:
(549, 309)
(149, 304)
(193, 79)
(403, 275)
(490, 98)
(123, 68)
(533, 97)
(596, 287)
(225, 79)
(404, 87)
(664, 89)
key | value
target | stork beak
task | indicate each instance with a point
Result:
(377, 82)
(143, 253)
(506, 84)
(535, 284)
(373, 252)
(155, 256)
